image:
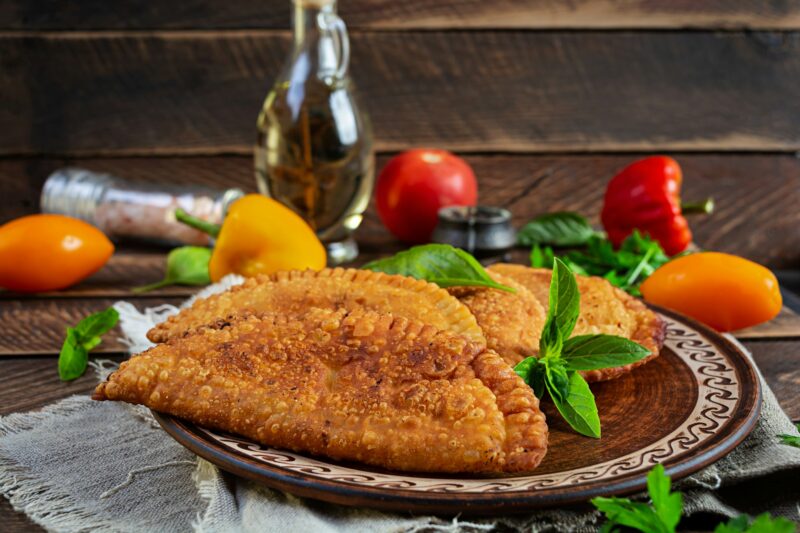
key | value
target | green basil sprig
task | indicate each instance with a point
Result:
(187, 265)
(74, 356)
(441, 264)
(557, 229)
(560, 357)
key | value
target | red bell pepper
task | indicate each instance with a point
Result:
(645, 195)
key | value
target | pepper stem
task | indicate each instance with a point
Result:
(197, 223)
(706, 207)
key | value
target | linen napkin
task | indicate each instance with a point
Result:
(80, 465)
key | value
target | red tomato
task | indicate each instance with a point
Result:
(414, 185)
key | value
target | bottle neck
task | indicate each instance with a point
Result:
(305, 17)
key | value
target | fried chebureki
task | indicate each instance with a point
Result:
(350, 289)
(511, 322)
(357, 386)
(604, 309)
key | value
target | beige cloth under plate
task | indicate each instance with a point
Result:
(80, 465)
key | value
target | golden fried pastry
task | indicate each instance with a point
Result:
(350, 289)
(511, 322)
(604, 309)
(350, 386)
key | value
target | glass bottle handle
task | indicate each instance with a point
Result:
(331, 24)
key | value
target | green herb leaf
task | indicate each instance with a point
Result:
(626, 268)
(668, 505)
(542, 257)
(96, 324)
(565, 300)
(187, 265)
(558, 229)
(791, 440)
(74, 356)
(577, 406)
(661, 516)
(441, 264)
(592, 352)
(763, 523)
(533, 372)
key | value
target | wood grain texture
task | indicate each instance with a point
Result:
(779, 362)
(38, 326)
(200, 92)
(386, 14)
(756, 197)
(785, 325)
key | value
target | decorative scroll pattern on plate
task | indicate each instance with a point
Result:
(718, 395)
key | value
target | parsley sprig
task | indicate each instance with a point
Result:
(791, 440)
(626, 268)
(555, 370)
(663, 513)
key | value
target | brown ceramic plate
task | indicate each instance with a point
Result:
(686, 409)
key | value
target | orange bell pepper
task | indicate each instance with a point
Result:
(50, 252)
(725, 291)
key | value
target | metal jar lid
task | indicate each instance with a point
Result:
(481, 230)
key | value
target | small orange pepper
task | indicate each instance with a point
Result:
(725, 291)
(50, 252)
(261, 236)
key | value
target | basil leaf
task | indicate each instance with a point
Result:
(577, 406)
(187, 265)
(533, 372)
(556, 380)
(441, 264)
(558, 229)
(96, 324)
(565, 300)
(74, 355)
(73, 358)
(592, 352)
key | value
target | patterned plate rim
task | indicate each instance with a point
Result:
(495, 493)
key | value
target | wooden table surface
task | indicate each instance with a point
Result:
(555, 97)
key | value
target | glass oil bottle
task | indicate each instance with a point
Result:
(314, 147)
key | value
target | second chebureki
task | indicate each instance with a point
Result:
(383, 369)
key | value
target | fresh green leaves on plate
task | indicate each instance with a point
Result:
(441, 264)
(791, 440)
(556, 229)
(663, 513)
(74, 356)
(187, 265)
(561, 357)
(626, 268)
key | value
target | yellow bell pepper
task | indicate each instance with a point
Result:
(260, 236)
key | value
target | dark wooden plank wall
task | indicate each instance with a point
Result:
(521, 91)
(414, 14)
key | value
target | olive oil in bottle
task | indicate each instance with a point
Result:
(314, 146)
